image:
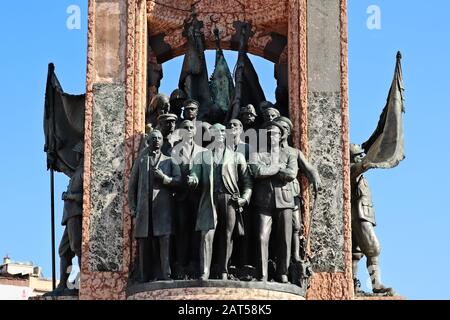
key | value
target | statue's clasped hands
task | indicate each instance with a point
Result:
(159, 174)
(192, 182)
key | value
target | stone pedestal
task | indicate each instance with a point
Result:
(214, 290)
(311, 36)
(380, 298)
(60, 298)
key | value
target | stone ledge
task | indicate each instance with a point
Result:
(214, 290)
(380, 298)
(54, 298)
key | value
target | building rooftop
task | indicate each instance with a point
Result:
(21, 280)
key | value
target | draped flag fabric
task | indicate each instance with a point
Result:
(194, 73)
(248, 90)
(63, 125)
(385, 148)
(221, 84)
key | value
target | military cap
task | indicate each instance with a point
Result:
(167, 117)
(268, 124)
(273, 109)
(189, 102)
(248, 109)
(286, 120)
(266, 105)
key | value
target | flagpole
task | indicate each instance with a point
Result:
(51, 97)
(52, 192)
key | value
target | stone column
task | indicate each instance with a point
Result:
(328, 146)
(113, 125)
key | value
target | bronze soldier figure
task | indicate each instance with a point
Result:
(364, 240)
(314, 178)
(166, 124)
(159, 105)
(274, 171)
(384, 149)
(270, 114)
(202, 135)
(248, 115)
(150, 200)
(70, 245)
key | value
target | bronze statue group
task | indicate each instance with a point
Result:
(196, 190)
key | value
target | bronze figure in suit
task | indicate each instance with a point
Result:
(150, 199)
(187, 202)
(223, 176)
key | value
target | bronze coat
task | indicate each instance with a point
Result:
(142, 185)
(186, 163)
(269, 188)
(236, 179)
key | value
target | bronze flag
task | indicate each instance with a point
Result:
(63, 125)
(385, 148)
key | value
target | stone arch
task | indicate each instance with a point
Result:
(267, 19)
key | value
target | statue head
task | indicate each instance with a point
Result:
(274, 132)
(263, 106)
(248, 115)
(235, 127)
(160, 104)
(155, 140)
(357, 153)
(166, 123)
(79, 150)
(188, 129)
(190, 111)
(270, 114)
(287, 125)
(218, 132)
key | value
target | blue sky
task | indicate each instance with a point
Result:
(413, 226)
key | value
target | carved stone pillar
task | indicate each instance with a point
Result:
(328, 138)
(116, 88)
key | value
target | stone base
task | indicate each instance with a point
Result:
(380, 298)
(214, 290)
(56, 298)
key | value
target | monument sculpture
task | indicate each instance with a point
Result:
(211, 187)
(226, 187)
(166, 125)
(194, 74)
(70, 245)
(247, 115)
(151, 203)
(274, 171)
(64, 129)
(314, 178)
(384, 149)
(159, 105)
(187, 240)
